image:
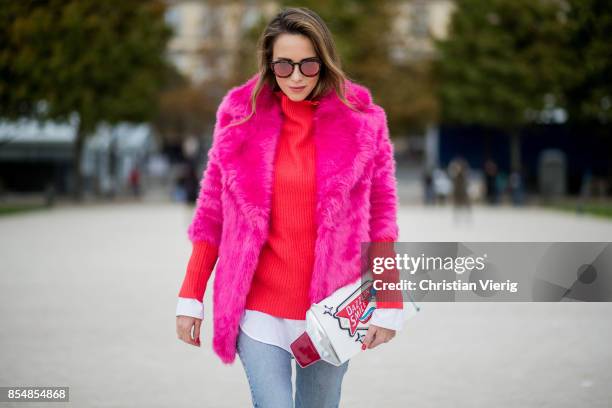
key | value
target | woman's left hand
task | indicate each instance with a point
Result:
(377, 335)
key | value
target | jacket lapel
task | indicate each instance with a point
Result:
(344, 143)
(246, 153)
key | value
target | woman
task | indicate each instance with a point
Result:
(300, 173)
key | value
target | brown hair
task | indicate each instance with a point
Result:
(300, 20)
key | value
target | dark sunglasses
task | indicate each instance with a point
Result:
(308, 67)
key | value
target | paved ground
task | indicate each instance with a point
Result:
(87, 299)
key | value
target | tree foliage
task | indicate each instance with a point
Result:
(506, 60)
(588, 87)
(103, 60)
(500, 61)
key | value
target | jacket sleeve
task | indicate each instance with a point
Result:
(207, 220)
(384, 230)
(205, 229)
(383, 195)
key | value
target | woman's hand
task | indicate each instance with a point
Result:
(184, 326)
(377, 335)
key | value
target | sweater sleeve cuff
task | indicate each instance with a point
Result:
(386, 295)
(200, 266)
(389, 305)
(190, 307)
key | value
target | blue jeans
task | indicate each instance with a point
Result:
(268, 371)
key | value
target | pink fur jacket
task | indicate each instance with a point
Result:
(356, 195)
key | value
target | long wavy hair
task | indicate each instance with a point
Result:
(300, 20)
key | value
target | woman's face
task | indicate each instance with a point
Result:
(295, 47)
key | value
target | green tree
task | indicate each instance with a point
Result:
(588, 87)
(103, 60)
(501, 64)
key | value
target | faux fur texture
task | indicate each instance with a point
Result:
(356, 195)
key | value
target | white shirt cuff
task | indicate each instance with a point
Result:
(393, 319)
(190, 307)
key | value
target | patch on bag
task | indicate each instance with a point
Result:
(355, 311)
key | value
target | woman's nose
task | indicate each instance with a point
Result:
(296, 74)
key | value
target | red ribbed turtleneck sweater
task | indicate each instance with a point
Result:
(282, 279)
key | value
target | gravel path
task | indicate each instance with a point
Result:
(88, 295)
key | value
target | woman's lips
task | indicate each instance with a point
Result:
(297, 89)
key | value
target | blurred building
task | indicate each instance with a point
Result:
(416, 24)
(112, 152)
(35, 157)
(207, 34)
(577, 150)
